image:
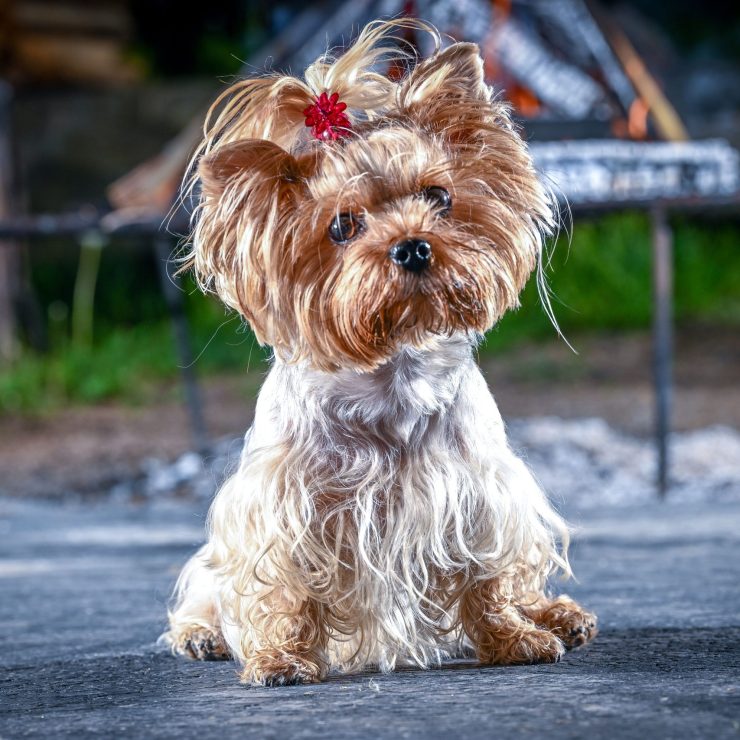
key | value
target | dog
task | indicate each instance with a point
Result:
(371, 228)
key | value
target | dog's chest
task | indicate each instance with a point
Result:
(391, 430)
(396, 406)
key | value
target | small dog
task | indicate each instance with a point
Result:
(370, 230)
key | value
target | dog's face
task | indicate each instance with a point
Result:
(423, 221)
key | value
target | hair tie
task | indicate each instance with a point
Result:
(326, 117)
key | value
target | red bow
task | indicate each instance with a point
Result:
(326, 117)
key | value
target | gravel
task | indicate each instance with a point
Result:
(587, 463)
(581, 463)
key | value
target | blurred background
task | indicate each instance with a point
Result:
(633, 112)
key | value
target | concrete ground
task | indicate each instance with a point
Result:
(82, 601)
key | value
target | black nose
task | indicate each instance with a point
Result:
(413, 255)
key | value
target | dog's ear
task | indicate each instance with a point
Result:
(258, 160)
(249, 186)
(448, 92)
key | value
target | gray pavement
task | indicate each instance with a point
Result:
(82, 601)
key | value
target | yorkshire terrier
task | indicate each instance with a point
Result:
(370, 229)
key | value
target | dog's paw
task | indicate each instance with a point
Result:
(576, 629)
(275, 668)
(569, 621)
(201, 643)
(535, 646)
(528, 647)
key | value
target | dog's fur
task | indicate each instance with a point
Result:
(378, 514)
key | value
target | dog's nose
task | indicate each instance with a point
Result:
(413, 255)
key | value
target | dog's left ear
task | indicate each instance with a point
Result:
(262, 161)
(448, 92)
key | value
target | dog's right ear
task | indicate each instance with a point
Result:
(258, 160)
(248, 186)
(447, 93)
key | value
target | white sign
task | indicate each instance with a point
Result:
(604, 171)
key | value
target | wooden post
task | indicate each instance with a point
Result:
(667, 121)
(8, 250)
(662, 340)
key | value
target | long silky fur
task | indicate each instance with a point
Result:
(376, 484)
(379, 496)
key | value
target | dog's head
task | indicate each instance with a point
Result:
(411, 209)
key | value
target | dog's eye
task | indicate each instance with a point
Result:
(345, 227)
(439, 197)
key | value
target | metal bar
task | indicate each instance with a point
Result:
(662, 237)
(176, 307)
(49, 225)
(77, 223)
(9, 262)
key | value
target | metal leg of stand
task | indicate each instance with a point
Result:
(662, 237)
(176, 307)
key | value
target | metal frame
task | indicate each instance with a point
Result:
(662, 237)
(301, 42)
(77, 224)
(181, 333)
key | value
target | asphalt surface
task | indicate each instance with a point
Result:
(82, 600)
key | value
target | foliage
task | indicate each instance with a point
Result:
(600, 281)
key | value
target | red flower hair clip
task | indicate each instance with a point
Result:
(326, 117)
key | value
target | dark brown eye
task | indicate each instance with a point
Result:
(345, 227)
(439, 197)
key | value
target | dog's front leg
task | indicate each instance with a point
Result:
(499, 632)
(286, 643)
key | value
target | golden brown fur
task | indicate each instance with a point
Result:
(378, 514)
(268, 193)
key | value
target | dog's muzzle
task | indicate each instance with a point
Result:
(413, 255)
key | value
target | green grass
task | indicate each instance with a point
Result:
(132, 363)
(601, 281)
